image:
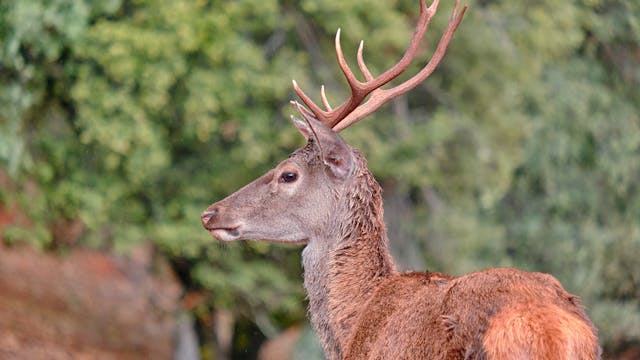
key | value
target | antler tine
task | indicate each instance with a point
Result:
(346, 70)
(325, 101)
(363, 67)
(307, 100)
(353, 109)
(383, 96)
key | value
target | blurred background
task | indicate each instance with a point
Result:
(122, 120)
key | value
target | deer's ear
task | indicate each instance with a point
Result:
(336, 154)
(303, 127)
(339, 159)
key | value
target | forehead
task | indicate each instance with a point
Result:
(308, 154)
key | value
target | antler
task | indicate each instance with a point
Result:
(353, 109)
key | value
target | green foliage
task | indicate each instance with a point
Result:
(125, 117)
(523, 149)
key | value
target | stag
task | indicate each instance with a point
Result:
(360, 305)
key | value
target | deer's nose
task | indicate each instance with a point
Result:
(208, 215)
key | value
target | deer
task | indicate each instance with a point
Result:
(323, 196)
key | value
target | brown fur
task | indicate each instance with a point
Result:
(376, 313)
(492, 314)
(540, 331)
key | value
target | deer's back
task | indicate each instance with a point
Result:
(491, 314)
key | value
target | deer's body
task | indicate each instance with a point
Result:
(493, 314)
(362, 308)
(324, 196)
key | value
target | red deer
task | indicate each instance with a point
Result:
(361, 307)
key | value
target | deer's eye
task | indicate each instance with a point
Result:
(288, 177)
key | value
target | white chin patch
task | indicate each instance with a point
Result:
(225, 234)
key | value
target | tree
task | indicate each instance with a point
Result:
(130, 117)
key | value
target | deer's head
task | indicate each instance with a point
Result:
(301, 197)
(294, 201)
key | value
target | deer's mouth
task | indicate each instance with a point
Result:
(225, 234)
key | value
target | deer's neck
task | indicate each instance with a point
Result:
(341, 272)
